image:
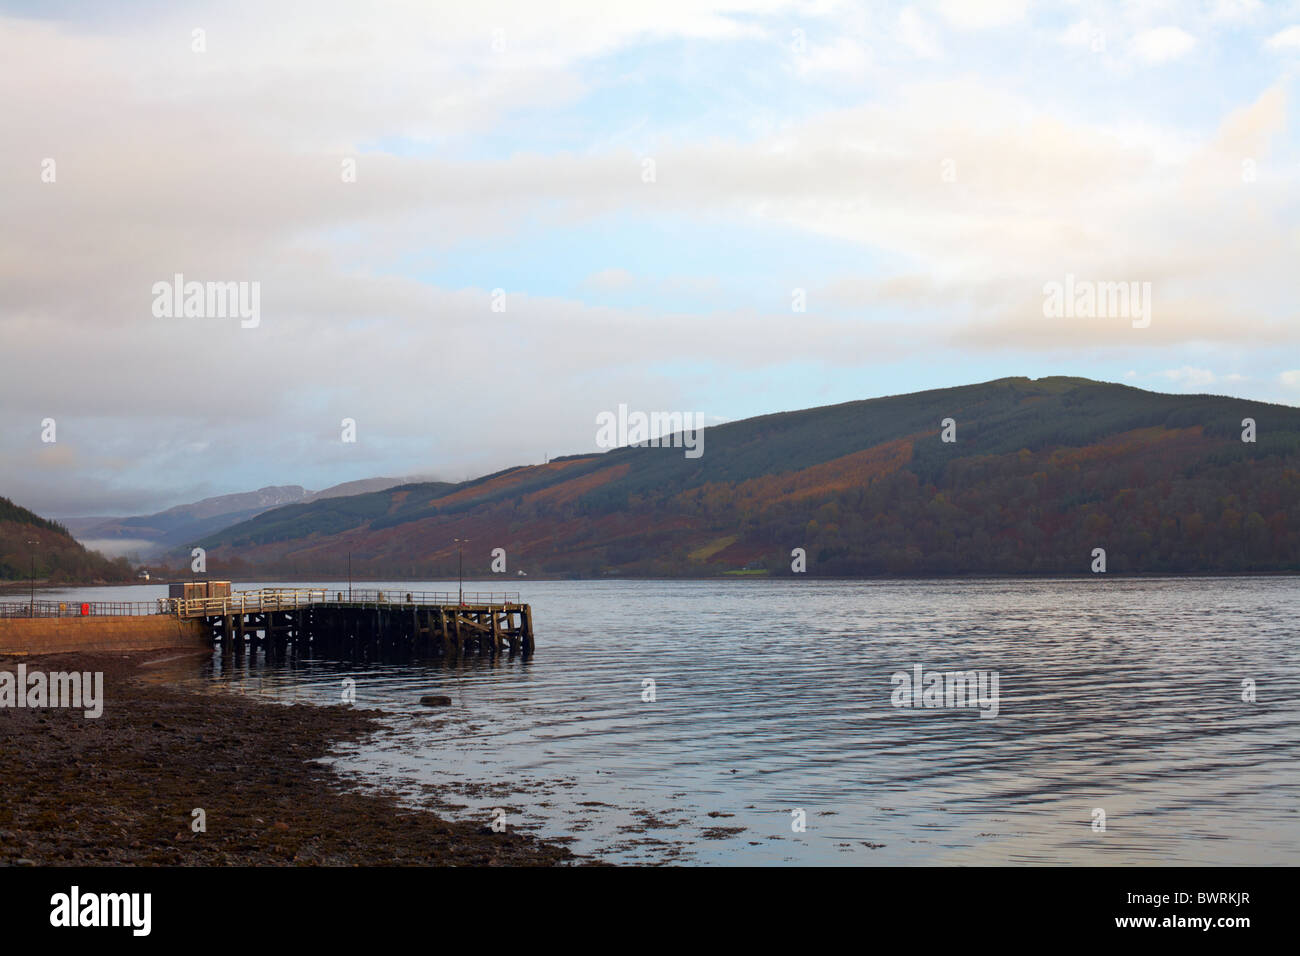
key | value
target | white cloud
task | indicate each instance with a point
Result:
(982, 14)
(917, 35)
(1083, 35)
(1288, 39)
(1290, 379)
(1235, 10)
(1163, 44)
(1189, 377)
(843, 57)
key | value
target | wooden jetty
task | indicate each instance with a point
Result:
(362, 623)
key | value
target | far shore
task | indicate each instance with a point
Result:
(25, 587)
(10, 588)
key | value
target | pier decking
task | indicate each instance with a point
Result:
(350, 623)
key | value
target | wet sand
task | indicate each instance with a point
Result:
(121, 789)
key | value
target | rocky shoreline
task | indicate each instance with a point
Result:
(122, 789)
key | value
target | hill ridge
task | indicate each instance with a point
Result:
(1022, 489)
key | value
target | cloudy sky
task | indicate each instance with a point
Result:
(475, 226)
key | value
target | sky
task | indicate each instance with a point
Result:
(473, 228)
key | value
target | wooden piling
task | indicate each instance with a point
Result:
(526, 615)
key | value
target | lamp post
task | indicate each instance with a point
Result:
(349, 577)
(32, 609)
(460, 549)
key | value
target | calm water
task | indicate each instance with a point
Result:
(771, 697)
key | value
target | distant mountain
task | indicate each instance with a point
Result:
(359, 487)
(1041, 473)
(184, 525)
(58, 556)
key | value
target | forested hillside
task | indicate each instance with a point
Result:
(58, 557)
(1041, 472)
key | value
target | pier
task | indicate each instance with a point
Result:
(363, 623)
(351, 623)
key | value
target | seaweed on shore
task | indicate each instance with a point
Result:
(121, 789)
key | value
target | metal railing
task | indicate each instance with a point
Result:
(278, 599)
(369, 596)
(269, 599)
(83, 608)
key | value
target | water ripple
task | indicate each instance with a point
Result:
(1120, 695)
